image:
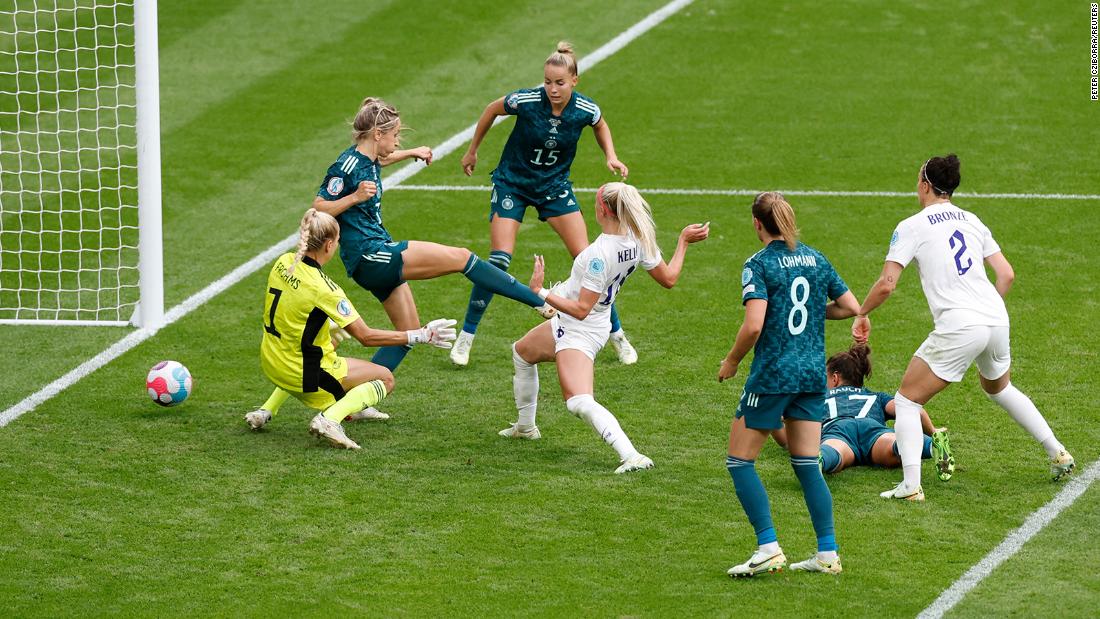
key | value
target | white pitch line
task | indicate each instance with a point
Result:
(789, 192)
(1012, 543)
(259, 261)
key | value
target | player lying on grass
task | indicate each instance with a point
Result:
(855, 433)
(534, 171)
(951, 248)
(573, 337)
(789, 289)
(352, 193)
(297, 352)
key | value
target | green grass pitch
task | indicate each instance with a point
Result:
(112, 505)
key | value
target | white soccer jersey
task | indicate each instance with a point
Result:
(950, 246)
(602, 267)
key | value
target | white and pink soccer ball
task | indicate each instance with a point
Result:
(168, 383)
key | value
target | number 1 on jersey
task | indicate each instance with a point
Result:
(270, 328)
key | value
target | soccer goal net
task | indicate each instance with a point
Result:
(75, 248)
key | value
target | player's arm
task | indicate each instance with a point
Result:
(579, 309)
(607, 145)
(880, 291)
(488, 116)
(925, 421)
(667, 274)
(365, 191)
(1003, 272)
(423, 153)
(439, 333)
(844, 307)
(755, 309)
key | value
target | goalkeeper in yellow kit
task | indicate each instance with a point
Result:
(297, 352)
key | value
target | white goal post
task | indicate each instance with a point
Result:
(80, 189)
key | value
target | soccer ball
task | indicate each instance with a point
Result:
(168, 383)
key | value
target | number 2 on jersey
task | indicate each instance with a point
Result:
(958, 236)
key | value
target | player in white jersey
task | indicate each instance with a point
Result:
(580, 329)
(950, 246)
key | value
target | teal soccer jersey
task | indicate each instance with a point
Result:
(847, 402)
(360, 225)
(542, 146)
(789, 357)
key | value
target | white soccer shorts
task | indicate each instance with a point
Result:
(949, 355)
(572, 333)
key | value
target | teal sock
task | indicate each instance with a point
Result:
(489, 277)
(616, 324)
(390, 357)
(818, 500)
(830, 459)
(480, 297)
(926, 452)
(753, 497)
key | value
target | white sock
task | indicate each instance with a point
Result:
(768, 550)
(603, 422)
(910, 439)
(1022, 409)
(828, 556)
(525, 387)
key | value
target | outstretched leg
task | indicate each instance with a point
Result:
(425, 260)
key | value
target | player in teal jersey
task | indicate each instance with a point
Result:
(855, 433)
(786, 288)
(534, 171)
(352, 193)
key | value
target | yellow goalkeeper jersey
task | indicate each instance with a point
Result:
(296, 352)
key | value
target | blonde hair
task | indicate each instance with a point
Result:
(316, 229)
(564, 56)
(374, 113)
(776, 215)
(634, 215)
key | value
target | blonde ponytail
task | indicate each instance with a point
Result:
(374, 113)
(634, 214)
(316, 229)
(564, 56)
(773, 212)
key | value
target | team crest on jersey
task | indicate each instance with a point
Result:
(551, 143)
(894, 238)
(335, 186)
(596, 266)
(554, 122)
(746, 276)
(507, 204)
(344, 307)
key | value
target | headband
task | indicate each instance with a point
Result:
(924, 174)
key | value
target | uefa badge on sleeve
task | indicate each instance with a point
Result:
(344, 307)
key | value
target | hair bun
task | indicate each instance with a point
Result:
(565, 47)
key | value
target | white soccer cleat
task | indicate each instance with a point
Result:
(1061, 466)
(815, 564)
(759, 564)
(622, 346)
(546, 311)
(460, 352)
(322, 427)
(901, 492)
(636, 462)
(514, 431)
(258, 418)
(369, 413)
